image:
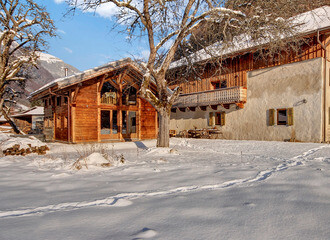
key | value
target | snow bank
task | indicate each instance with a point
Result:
(23, 142)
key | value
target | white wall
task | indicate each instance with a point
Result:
(271, 88)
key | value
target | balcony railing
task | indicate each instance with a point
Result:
(212, 97)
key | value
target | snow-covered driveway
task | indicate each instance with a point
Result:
(201, 189)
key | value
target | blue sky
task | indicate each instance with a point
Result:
(86, 40)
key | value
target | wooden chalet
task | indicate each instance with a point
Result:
(100, 104)
(283, 97)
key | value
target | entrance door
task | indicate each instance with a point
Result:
(129, 130)
(109, 124)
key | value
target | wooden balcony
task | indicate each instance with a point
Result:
(212, 97)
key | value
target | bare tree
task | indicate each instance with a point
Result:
(24, 27)
(167, 24)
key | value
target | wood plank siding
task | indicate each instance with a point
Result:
(233, 69)
(101, 108)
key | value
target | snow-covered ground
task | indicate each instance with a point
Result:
(197, 189)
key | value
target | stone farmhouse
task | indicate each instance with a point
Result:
(284, 98)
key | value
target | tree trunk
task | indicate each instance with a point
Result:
(163, 139)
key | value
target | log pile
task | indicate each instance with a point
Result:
(17, 150)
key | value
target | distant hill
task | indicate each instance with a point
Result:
(49, 68)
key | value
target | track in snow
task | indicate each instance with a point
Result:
(124, 199)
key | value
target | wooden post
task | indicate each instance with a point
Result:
(120, 117)
(139, 118)
(98, 101)
(73, 120)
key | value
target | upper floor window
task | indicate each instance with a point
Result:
(219, 84)
(108, 94)
(129, 96)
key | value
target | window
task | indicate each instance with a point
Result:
(65, 100)
(46, 103)
(223, 84)
(218, 118)
(284, 116)
(219, 84)
(114, 122)
(129, 96)
(132, 122)
(216, 85)
(124, 122)
(108, 94)
(105, 122)
(58, 101)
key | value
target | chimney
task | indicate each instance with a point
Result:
(66, 72)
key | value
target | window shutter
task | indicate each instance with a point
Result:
(211, 119)
(271, 114)
(290, 116)
(223, 119)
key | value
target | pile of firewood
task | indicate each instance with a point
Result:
(17, 150)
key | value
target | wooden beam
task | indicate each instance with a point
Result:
(75, 93)
(101, 83)
(121, 76)
(214, 107)
(226, 106)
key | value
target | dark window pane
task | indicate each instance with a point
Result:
(114, 122)
(218, 119)
(124, 122)
(132, 122)
(105, 122)
(58, 101)
(282, 117)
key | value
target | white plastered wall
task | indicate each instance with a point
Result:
(296, 85)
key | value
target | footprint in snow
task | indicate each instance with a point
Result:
(249, 204)
(145, 233)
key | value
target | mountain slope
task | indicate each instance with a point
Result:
(48, 68)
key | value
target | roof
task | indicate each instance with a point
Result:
(310, 22)
(88, 74)
(35, 111)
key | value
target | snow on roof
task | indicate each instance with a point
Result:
(33, 111)
(312, 21)
(79, 77)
